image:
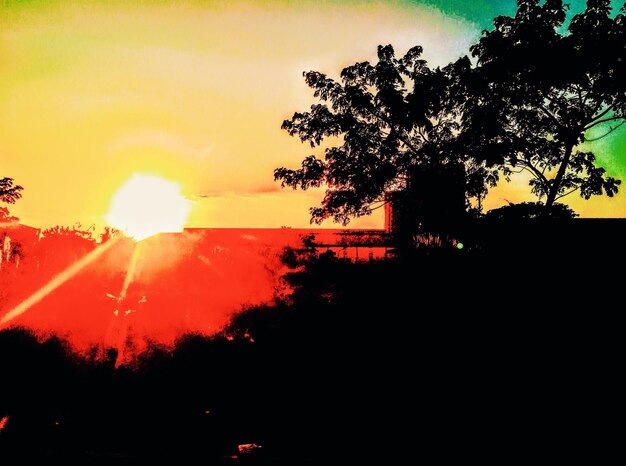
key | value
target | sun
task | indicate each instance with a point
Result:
(147, 205)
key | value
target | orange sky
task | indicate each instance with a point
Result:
(194, 92)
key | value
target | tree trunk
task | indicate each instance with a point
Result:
(556, 184)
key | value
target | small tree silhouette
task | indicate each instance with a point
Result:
(10, 251)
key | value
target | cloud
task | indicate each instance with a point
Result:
(252, 191)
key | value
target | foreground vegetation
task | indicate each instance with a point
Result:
(444, 352)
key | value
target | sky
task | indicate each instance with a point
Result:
(92, 93)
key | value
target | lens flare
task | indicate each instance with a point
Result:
(56, 282)
(147, 205)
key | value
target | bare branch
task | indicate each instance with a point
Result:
(539, 175)
(588, 127)
(378, 207)
(604, 112)
(611, 129)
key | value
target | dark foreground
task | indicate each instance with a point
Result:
(491, 354)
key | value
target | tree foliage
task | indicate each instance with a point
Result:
(539, 91)
(387, 120)
(9, 192)
(536, 90)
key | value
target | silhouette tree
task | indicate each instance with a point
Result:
(60, 246)
(9, 192)
(383, 126)
(66, 232)
(5, 216)
(539, 91)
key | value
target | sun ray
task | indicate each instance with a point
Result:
(117, 330)
(130, 273)
(57, 281)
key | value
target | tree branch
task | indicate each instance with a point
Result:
(588, 127)
(567, 193)
(378, 207)
(604, 112)
(612, 128)
(581, 105)
(550, 115)
(421, 133)
(547, 97)
(586, 97)
(534, 171)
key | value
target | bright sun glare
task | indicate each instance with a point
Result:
(147, 205)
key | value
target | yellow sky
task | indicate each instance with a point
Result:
(91, 93)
